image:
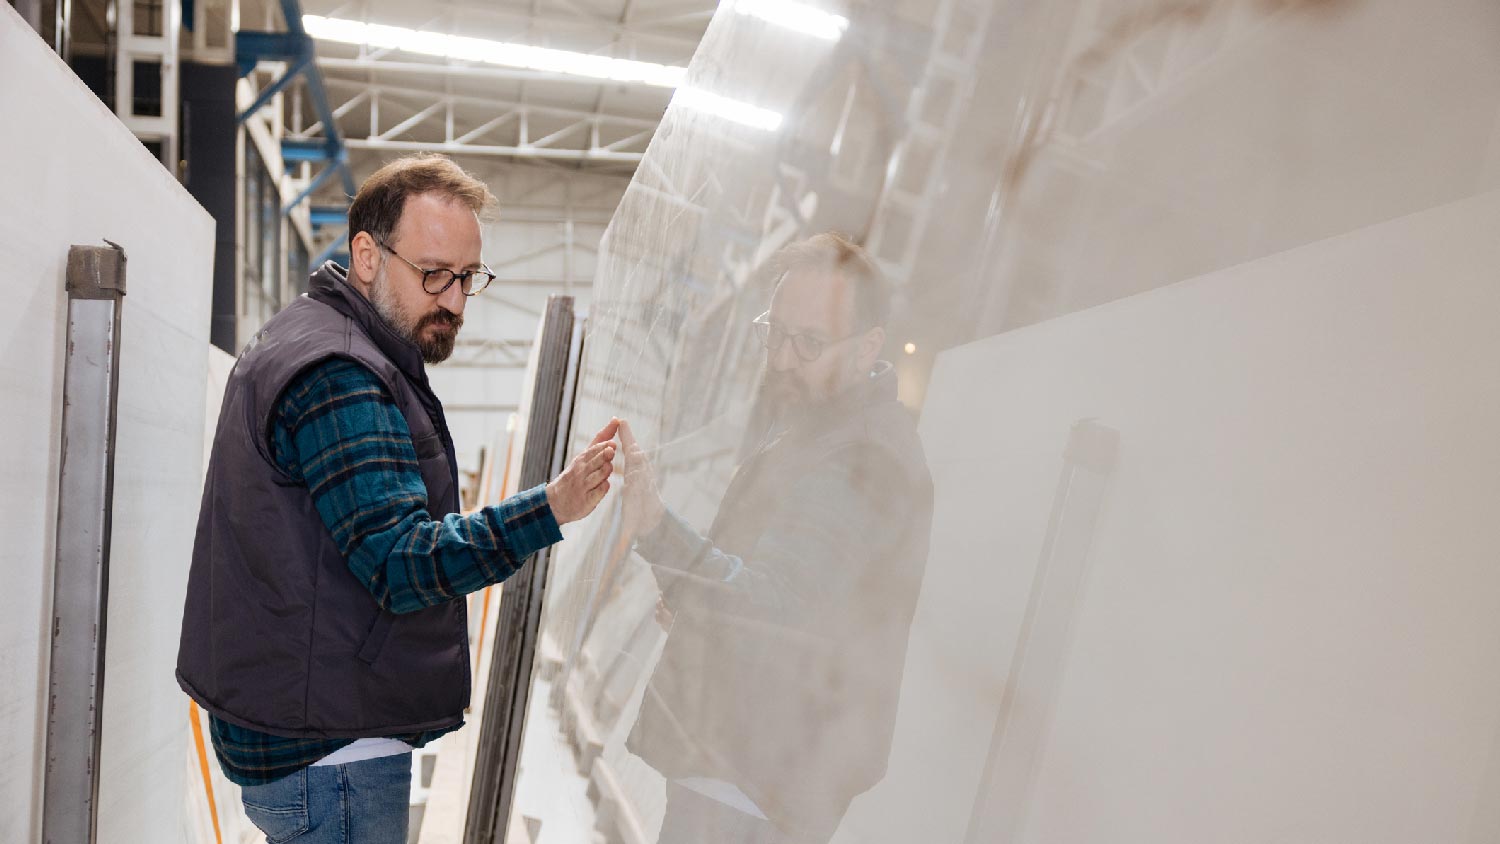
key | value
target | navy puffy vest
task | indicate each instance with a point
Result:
(278, 635)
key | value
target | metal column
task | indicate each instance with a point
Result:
(80, 584)
(497, 761)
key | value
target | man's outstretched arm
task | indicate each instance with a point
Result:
(338, 431)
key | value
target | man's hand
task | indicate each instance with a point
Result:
(664, 614)
(641, 507)
(577, 491)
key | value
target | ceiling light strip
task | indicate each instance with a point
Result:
(508, 54)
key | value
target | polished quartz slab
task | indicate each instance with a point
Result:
(1192, 315)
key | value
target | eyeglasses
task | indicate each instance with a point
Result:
(438, 280)
(807, 346)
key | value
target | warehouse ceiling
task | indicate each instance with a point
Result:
(390, 96)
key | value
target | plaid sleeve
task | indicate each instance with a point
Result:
(339, 432)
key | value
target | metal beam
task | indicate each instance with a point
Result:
(547, 140)
(295, 150)
(639, 137)
(327, 215)
(318, 181)
(277, 86)
(342, 110)
(486, 127)
(528, 151)
(529, 255)
(427, 96)
(291, 11)
(295, 46)
(368, 64)
(512, 352)
(409, 122)
(510, 303)
(331, 251)
(80, 581)
(251, 47)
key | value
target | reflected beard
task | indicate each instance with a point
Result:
(789, 400)
(438, 346)
(785, 396)
(781, 392)
(435, 348)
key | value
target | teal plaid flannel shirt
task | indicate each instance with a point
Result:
(338, 431)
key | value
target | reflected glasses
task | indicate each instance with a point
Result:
(438, 280)
(807, 346)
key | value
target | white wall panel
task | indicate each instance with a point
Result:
(74, 175)
(1286, 630)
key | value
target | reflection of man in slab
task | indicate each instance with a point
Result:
(774, 701)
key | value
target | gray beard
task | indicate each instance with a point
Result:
(435, 350)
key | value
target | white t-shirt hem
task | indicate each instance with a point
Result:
(363, 749)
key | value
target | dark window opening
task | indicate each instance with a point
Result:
(145, 90)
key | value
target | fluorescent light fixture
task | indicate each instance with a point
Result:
(799, 17)
(481, 50)
(510, 54)
(732, 110)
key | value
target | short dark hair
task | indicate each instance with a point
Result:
(837, 252)
(377, 207)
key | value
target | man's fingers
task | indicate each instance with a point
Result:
(596, 453)
(604, 456)
(596, 494)
(627, 436)
(596, 449)
(607, 433)
(596, 477)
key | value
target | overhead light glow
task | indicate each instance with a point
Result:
(732, 110)
(799, 17)
(911, 348)
(482, 50)
(509, 54)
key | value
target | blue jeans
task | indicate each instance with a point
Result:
(358, 803)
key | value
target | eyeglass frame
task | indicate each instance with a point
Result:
(453, 276)
(771, 327)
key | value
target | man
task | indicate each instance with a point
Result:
(325, 630)
(774, 700)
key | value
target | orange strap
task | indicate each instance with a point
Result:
(484, 613)
(208, 783)
(484, 624)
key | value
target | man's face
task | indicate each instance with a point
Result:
(817, 304)
(435, 231)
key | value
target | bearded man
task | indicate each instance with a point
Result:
(325, 629)
(773, 704)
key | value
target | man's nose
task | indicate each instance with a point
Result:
(453, 299)
(784, 357)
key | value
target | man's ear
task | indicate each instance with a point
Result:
(364, 260)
